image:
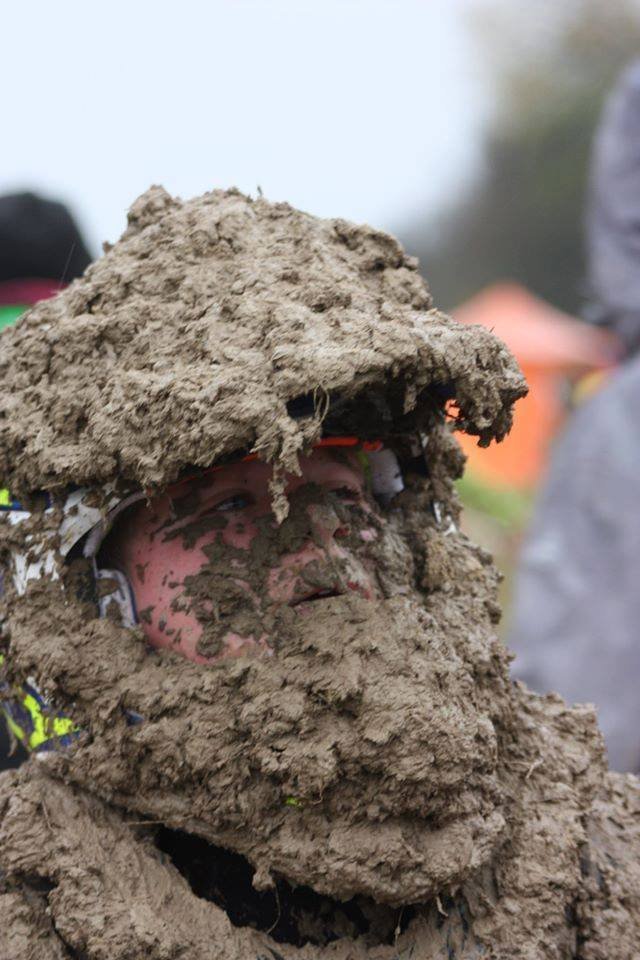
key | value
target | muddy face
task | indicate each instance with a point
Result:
(210, 566)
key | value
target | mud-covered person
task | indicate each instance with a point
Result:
(257, 655)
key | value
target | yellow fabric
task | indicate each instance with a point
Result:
(45, 726)
(5, 498)
(588, 385)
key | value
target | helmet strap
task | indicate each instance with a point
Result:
(121, 594)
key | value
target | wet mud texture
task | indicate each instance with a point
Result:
(361, 758)
(381, 754)
(206, 328)
(381, 759)
(83, 878)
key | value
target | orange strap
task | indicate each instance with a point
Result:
(369, 446)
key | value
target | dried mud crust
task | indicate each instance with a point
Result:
(82, 878)
(360, 759)
(105, 892)
(194, 334)
(610, 866)
(382, 752)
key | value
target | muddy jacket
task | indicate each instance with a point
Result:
(81, 878)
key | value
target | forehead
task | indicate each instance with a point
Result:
(324, 465)
(320, 465)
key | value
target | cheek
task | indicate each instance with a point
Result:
(170, 563)
(239, 532)
(157, 578)
(157, 571)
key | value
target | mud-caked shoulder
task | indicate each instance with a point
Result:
(523, 903)
(609, 908)
(75, 872)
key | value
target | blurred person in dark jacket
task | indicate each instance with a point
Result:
(41, 250)
(576, 621)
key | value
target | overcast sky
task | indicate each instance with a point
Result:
(366, 109)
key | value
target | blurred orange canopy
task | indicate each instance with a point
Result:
(554, 351)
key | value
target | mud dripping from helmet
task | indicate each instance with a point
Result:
(203, 327)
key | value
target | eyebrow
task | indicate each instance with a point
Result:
(179, 523)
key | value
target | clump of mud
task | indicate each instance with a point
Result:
(376, 787)
(202, 330)
(361, 758)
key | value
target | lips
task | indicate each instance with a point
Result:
(314, 595)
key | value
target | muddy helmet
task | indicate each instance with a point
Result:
(227, 324)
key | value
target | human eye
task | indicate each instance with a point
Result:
(234, 503)
(347, 494)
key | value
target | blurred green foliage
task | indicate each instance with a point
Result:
(551, 67)
(510, 508)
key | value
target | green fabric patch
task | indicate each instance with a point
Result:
(9, 315)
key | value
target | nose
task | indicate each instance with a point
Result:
(326, 524)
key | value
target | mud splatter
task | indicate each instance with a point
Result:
(209, 324)
(382, 754)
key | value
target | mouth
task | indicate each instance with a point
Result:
(315, 595)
